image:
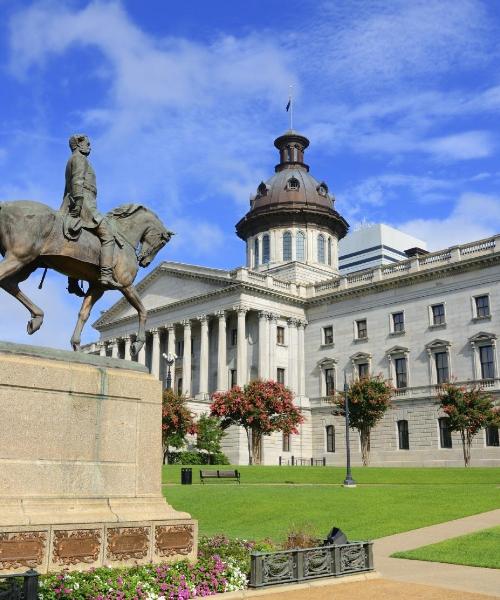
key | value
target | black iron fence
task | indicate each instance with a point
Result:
(302, 462)
(295, 566)
(22, 586)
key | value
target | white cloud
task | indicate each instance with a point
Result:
(198, 239)
(461, 146)
(475, 216)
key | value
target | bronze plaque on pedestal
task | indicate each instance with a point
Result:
(173, 539)
(22, 549)
(128, 542)
(76, 546)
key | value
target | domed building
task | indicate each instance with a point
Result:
(419, 319)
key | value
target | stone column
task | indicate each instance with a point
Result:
(432, 369)
(102, 348)
(241, 349)
(155, 353)
(141, 357)
(186, 359)
(272, 346)
(203, 355)
(263, 364)
(128, 343)
(114, 348)
(301, 367)
(222, 353)
(292, 354)
(171, 351)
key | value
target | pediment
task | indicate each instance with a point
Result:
(361, 356)
(437, 343)
(326, 363)
(483, 336)
(397, 350)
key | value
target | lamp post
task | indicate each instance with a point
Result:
(348, 481)
(169, 359)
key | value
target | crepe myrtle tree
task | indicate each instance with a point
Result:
(469, 409)
(177, 421)
(261, 408)
(209, 435)
(369, 400)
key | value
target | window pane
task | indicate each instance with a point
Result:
(328, 335)
(492, 437)
(438, 314)
(329, 251)
(256, 252)
(300, 243)
(398, 322)
(404, 440)
(330, 438)
(362, 329)
(234, 337)
(482, 306)
(321, 249)
(329, 381)
(444, 433)
(280, 335)
(280, 376)
(287, 246)
(179, 386)
(286, 442)
(266, 249)
(487, 365)
(400, 367)
(233, 377)
(363, 370)
(442, 370)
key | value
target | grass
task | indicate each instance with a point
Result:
(272, 500)
(480, 549)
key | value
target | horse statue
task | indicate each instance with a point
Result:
(31, 236)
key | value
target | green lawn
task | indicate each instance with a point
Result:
(271, 501)
(481, 549)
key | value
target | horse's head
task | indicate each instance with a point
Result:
(155, 236)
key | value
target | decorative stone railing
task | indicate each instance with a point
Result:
(299, 565)
(433, 390)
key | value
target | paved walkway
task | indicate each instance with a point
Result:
(398, 578)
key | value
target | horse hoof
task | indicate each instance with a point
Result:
(76, 346)
(34, 325)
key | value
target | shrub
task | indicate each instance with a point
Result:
(196, 458)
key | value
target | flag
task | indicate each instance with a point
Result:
(288, 105)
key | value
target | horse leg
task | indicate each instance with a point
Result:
(34, 324)
(93, 294)
(133, 298)
(9, 266)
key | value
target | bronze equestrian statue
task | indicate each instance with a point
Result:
(33, 235)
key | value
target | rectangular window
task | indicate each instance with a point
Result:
(280, 376)
(398, 322)
(482, 306)
(442, 369)
(179, 386)
(486, 360)
(401, 372)
(329, 382)
(286, 442)
(444, 433)
(234, 337)
(328, 335)
(232, 377)
(179, 348)
(280, 335)
(361, 329)
(438, 316)
(492, 437)
(330, 438)
(404, 440)
(363, 370)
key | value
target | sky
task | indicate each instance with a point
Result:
(182, 102)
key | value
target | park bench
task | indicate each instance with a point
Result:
(228, 474)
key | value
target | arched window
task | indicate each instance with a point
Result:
(256, 253)
(293, 183)
(266, 249)
(330, 438)
(300, 250)
(321, 248)
(329, 251)
(287, 246)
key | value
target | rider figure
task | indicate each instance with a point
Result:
(80, 201)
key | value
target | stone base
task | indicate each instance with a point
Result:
(80, 464)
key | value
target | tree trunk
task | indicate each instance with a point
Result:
(466, 444)
(365, 445)
(256, 447)
(165, 455)
(249, 441)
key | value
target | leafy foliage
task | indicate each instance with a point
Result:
(177, 421)
(369, 400)
(468, 410)
(210, 434)
(261, 407)
(190, 457)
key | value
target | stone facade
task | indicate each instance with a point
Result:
(418, 321)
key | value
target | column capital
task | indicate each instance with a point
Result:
(241, 308)
(202, 318)
(220, 314)
(272, 316)
(170, 326)
(301, 323)
(112, 341)
(263, 314)
(186, 323)
(293, 322)
(154, 331)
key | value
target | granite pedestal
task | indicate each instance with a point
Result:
(80, 464)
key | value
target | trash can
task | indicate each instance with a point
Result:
(186, 476)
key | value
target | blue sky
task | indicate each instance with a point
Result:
(182, 101)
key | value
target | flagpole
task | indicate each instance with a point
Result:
(291, 107)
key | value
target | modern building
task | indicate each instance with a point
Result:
(374, 245)
(290, 315)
